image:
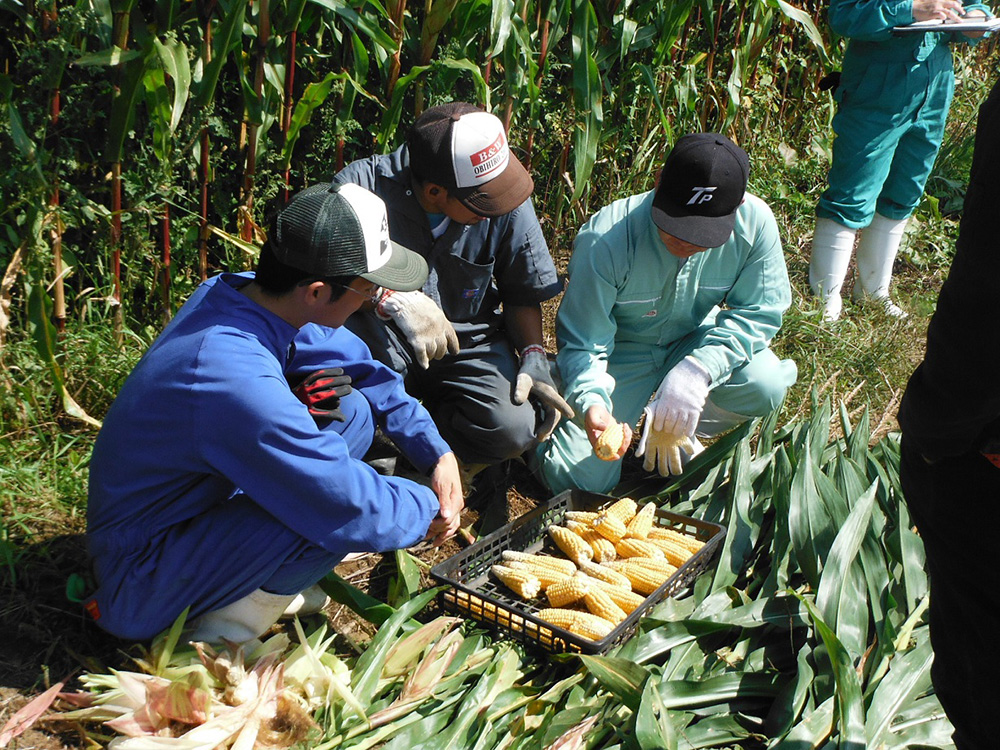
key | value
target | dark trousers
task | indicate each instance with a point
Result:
(955, 504)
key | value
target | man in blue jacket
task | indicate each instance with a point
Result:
(469, 343)
(217, 486)
(676, 294)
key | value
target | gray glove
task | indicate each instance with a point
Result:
(422, 322)
(665, 452)
(535, 379)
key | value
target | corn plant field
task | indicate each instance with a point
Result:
(143, 146)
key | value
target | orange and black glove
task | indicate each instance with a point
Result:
(321, 391)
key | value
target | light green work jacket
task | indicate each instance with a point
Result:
(627, 291)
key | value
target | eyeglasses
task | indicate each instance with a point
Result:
(372, 294)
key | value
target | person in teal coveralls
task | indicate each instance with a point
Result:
(674, 293)
(892, 102)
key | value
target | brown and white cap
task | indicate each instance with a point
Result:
(464, 149)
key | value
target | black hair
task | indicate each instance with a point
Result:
(275, 278)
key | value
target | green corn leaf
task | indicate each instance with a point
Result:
(791, 700)
(226, 37)
(621, 676)
(914, 560)
(810, 526)
(731, 686)
(107, 57)
(174, 57)
(124, 106)
(908, 675)
(850, 708)
(803, 19)
(587, 96)
(362, 23)
(165, 643)
(653, 728)
(501, 24)
(357, 600)
(813, 731)
(741, 533)
(407, 581)
(922, 724)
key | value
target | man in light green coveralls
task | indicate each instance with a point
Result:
(892, 103)
(674, 293)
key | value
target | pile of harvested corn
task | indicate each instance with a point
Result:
(617, 557)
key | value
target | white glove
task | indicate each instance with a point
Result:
(665, 452)
(678, 402)
(422, 322)
(535, 379)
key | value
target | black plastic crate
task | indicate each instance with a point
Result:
(476, 594)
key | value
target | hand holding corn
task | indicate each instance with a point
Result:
(610, 438)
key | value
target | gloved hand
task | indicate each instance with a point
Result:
(665, 452)
(321, 391)
(679, 400)
(422, 322)
(535, 379)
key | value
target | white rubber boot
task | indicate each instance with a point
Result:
(876, 253)
(307, 602)
(832, 246)
(715, 420)
(242, 620)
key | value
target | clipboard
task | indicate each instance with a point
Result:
(921, 27)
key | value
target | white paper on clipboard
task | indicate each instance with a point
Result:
(919, 27)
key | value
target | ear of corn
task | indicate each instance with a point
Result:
(535, 562)
(568, 591)
(624, 598)
(572, 545)
(628, 547)
(646, 574)
(675, 536)
(622, 509)
(591, 626)
(558, 616)
(606, 575)
(521, 582)
(604, 550)
(581, 516)
(641, 523)
(546, 576)
(671, 550)
(610, 527)
(610, 442)
(600, 604)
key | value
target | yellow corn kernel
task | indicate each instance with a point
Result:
(609, 527)
(546, 576)
(624, 598)
(521, 582)
(610, 442)
(642, 522)
(566, 592)
(607, 575)
(600, 604)
(676, 536)
(646, 574)
(622, 509)
(537, 562)
(590, 626)
(582, 516)
(637, 548)
(571, 544)
(558, 616)
(672, 551)
(604, 550)
(581, 623)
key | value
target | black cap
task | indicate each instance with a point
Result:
(343, 230)
(701, 186)
(464, 149)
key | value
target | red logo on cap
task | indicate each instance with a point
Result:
(491, 157)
